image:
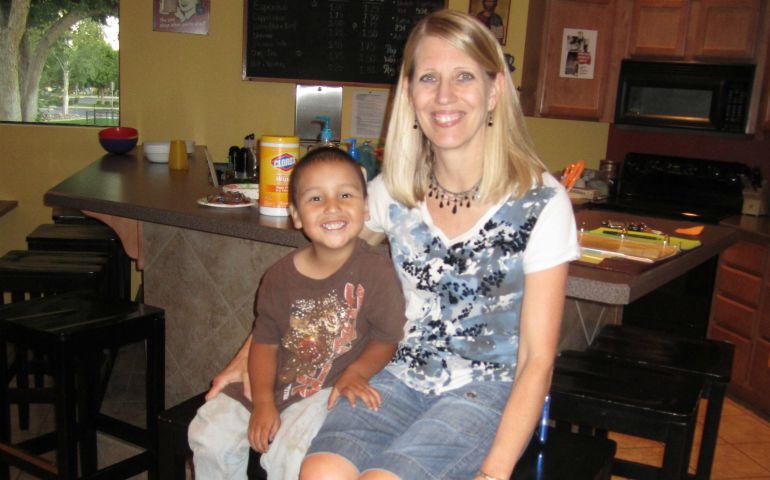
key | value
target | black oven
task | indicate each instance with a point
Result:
(710, 97)
(691, 190)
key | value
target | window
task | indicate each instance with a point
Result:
(62, 65)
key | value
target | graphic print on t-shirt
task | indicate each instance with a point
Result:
(320, 330)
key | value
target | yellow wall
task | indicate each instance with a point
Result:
(189, 86)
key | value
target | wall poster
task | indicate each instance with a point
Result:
(493, 14)
(578, 53)
(181, 16)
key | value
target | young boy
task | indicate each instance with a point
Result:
(328, 314)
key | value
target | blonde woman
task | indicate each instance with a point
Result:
(481, 236)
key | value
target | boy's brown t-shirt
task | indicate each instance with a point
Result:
(321, 326)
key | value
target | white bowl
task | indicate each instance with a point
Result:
(156, 152)
(251, 190)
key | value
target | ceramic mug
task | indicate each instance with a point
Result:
(177, 155)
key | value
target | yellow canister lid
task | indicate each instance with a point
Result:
(278, 139)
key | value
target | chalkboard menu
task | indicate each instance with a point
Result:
(329, 41)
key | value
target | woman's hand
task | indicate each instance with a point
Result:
(236, 371)
(352, 384)
(263, 425)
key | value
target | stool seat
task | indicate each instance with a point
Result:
(48, 272)
(710, 360)
(598, 392)
(88, 238)
(72, 330)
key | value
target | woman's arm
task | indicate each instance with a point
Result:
(541, 316)
(236, 370)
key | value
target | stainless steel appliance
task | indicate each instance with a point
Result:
(710, 97)
(692, 190)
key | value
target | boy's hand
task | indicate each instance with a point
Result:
(263, 425)
(351, 385)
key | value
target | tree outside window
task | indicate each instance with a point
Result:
(60, 61)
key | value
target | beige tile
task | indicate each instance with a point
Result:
(759, 452)
(647, 455)
(747, 428)
(629, 441)
(731, 463)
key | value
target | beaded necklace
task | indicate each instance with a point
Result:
(448, 197)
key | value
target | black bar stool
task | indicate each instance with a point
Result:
(71, 329)
(32, 274)
(88, 238)
(603, 394)
(710, 360)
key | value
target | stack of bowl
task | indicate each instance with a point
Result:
(118, 140)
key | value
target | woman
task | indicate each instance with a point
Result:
(481, 236)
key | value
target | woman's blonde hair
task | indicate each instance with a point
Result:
(509, 164)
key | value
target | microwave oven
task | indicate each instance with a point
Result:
(701, 96)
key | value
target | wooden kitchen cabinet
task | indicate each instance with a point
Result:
(546, 90)
(697, 30)
(740, 314)
(658, 28)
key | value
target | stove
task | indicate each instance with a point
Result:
(705, 191)
(702, 191)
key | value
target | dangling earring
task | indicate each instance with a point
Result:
(489, 120)
(414, 125)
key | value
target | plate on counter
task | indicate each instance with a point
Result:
(205, 202)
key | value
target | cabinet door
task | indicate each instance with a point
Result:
(563, 95)
(759, 378)
(742, 353)
(724, 29)
(658, 28)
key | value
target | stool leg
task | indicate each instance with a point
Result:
(66, 426)
(710, 429)
(88, 409)
(676, 455)
(22, 382)
(155, 388)
(5, 407)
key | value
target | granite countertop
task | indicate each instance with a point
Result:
(6, 206)
(132, 187)
(751, 224)
(619, 288)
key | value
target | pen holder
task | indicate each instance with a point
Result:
(177, 155)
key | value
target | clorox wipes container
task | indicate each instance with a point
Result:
(277, 158)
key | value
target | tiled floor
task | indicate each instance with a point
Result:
(743, 447)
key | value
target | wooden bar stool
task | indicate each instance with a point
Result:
(70, 329)
(600, 393)
(88, 238)
(710, 360)
(32, 274)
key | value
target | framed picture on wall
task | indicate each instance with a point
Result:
(181, 16)
(493, 14)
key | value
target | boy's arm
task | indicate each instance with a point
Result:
(265, 420)
(354, 381)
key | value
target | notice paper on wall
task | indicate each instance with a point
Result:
(578, 53)
(368, 114)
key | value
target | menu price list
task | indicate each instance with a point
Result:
(345, 41)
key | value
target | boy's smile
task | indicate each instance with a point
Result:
(330, 205)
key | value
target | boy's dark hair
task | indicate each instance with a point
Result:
(321, 155)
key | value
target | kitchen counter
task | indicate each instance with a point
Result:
(750, 224)
(203, 264)
(6, 206)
